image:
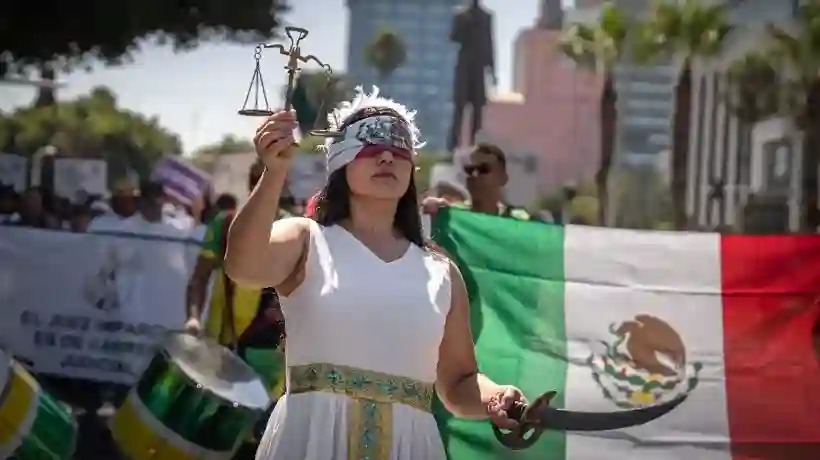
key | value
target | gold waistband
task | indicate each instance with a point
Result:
(361, 384)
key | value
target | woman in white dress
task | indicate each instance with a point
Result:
(376, 321)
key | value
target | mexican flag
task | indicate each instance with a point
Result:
(618, 319)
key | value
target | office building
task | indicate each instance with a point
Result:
(551, 120)
(646, 96)
(755, 161)
(425, 81)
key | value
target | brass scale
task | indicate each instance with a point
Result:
(293, 52)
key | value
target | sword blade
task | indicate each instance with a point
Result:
(565, 420)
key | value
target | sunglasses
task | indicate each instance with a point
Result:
(477, 170)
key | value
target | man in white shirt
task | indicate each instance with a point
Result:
(149, 220)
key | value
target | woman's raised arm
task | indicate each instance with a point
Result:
(262, 251)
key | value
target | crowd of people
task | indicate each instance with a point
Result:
(131, 208)
(240, 317)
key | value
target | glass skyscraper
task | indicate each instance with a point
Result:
(425, 81)
(646, 102)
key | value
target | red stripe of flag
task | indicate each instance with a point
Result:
(771, 303)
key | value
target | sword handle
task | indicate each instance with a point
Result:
(517, 411)
(529, 429)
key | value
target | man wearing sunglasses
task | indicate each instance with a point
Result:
(486, 171)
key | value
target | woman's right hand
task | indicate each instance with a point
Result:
(274, 140)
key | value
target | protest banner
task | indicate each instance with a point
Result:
(13, 171)
(80, 177)
(230, 175)
(89, 306)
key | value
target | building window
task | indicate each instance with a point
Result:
(431, 90)
(647, 122)
(778, 171)
(649, 88)
(662, 140)
(407, 10)
(657, 104)
(430, 74)
(781, 162)
(406, 72)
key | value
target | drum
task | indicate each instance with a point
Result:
(270, 366)
(195, 400)
(33, 425)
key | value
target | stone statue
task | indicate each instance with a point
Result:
(472, 30)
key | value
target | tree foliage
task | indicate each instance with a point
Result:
(689, 29)
(641, 199)
(598, 46)
(205, 157)
(754, 81)
(797, 54)
(227, 145)
(91, 126)
(76, 33)
(386, 53)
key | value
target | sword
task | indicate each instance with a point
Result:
(538, 417)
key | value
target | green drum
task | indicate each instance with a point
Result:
(270, 365)
(33, 425)
(196, 400)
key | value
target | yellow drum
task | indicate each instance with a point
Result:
(33, 425)
(196, 400)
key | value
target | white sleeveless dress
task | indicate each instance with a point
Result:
(362, 349)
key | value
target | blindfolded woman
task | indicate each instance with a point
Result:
(376, 321)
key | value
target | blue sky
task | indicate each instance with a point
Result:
(197, 94)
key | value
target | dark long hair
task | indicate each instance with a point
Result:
(333, 201)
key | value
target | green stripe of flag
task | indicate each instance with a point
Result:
(514, 272)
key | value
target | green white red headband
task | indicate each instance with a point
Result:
(384, 130)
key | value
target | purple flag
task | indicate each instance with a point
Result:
(182, 181)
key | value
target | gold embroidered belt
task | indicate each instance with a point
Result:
(370, 420)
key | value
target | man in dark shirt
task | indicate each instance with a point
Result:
(32, 212)
(486, 171)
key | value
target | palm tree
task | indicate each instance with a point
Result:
(799, 51)
(599, 47)
(683, 31)
(752, 97)
(386, 53)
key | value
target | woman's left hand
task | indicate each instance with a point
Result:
(498, 406)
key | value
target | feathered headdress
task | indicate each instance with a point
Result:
(342, 147)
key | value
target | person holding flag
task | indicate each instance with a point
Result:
(486, 172)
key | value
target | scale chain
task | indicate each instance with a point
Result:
(294, 55)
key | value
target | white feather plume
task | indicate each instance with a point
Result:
(338, 116)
